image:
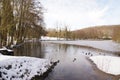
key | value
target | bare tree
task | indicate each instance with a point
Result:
(20, 19)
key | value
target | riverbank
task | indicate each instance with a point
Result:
(22, 68)
(108, 64)
(107, 45)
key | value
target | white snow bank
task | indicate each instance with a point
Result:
(0, 54)
(51, 38)
(108, 45)
(107, 64)
(22, 68)
(4, 48)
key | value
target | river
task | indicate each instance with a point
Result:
(74, 60)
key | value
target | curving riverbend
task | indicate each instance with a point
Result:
(74, 63)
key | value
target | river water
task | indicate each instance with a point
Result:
(74, 60)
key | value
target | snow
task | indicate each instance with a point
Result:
(51, 38)
(108, 64)
(4, 48)
(107, 45)
(22, 68)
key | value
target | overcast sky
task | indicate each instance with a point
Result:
(81, 13)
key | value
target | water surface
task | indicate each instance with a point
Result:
(74, 63)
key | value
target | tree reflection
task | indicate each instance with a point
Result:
(32, 49)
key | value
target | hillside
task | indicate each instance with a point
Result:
(97, 32)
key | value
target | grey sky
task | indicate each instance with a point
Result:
(81, 13)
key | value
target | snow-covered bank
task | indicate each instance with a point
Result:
(107, 64)
(22, 68)
(51, 38)
(4, 48)
(6, 51)
(107, 45)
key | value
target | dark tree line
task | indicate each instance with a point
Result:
(116, 34)
(110, 32)
(20, 20)
(100, 32)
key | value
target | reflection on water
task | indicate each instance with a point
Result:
(73, 64)
(33, 49)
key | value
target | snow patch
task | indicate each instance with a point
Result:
(22, 68)
(4, 48)
(107, 64)
(51, 38)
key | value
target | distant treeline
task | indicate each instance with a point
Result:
(60, 33)
(20, 20)
(98, 32)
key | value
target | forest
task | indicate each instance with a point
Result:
(107, 32)
(20, 20)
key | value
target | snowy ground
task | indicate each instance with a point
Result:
(107, 45)
(22, 68)
(107, 64)
(51, 38)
